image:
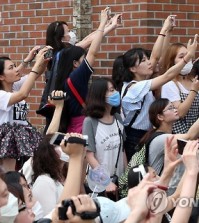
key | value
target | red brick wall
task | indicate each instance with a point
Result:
(24, 23)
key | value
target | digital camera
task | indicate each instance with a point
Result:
(84, 215)
(48, 54)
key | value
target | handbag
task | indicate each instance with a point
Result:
(140, 157)
(46, 109)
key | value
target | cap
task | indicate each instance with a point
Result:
(113, 212)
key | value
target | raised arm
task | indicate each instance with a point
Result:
(55, 122)
(183, 107)
(175, 70)
(36, 71)
(76, 153)
(182, 214)
(158, 46)
(112, 25)
(193, 133)
(28, 59)
(171, 160)
(95, 45)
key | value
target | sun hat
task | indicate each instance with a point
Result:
(113, 212)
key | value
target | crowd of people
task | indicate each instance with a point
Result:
(151, 102)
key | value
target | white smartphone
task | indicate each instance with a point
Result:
(57, 138)
(173, 18)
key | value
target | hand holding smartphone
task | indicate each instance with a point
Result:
(58, 137)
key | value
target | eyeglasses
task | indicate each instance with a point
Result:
(170, 108)
(22, 207)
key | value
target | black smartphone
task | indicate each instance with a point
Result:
(57, 138)
(181, 144)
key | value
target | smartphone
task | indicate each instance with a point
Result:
(173, 18)
(109, 11)
(57, 138)
(120, 19)
(181, 144)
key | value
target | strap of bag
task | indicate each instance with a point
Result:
(120, 145)
(77, 95)
(136, 114)
(138, 111)
(147, 144)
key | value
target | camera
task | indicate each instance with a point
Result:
(62, 210)
(59, 97)
(48, 54)
(84, 215)
(58, 137)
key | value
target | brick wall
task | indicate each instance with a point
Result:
(24, 22)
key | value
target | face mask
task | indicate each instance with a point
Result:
(187, 68)
(64, 157)
(114, 99)
(10, 211)
(37, 210)
(73, 38)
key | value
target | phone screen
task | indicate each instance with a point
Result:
(56, 139)
(181, 144)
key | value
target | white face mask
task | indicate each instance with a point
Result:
(10, 211)
(187, 68)
(37, 210)
(73, 38)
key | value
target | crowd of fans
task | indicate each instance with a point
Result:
(151, 102)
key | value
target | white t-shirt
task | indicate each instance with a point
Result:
(14, 113)
(47, 192)
(104, 141)
(172, 92)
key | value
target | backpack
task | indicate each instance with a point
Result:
(140, 157)
(46, 109)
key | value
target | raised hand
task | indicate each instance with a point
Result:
(192, 46)
(31, 54)
(72, 149)
(171, 158)
(190, 157)
(59, 102)
(169, 23)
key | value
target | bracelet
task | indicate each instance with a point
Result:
(160, 34)
(100, 30)
(184, 60)
(35, 72)
(194, 91)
